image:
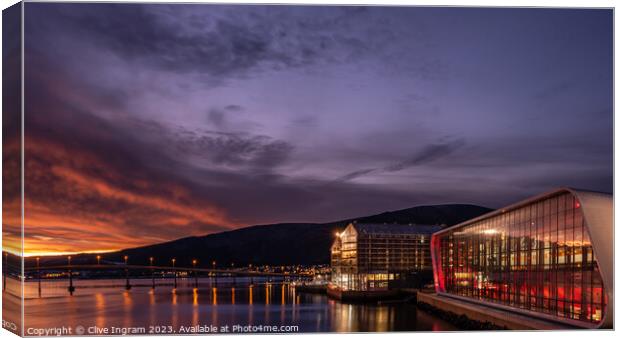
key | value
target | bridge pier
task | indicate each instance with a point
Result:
(127, 284)
(71, 288)
(39, 281)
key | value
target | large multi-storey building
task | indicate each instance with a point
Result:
(373, 257)
(550, 256)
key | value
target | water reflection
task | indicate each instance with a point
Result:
(226, 305)
(100, 306)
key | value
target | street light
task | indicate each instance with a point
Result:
(71, 288)
(174, 260)
(214, 274)
(232, 266)
(127, 285)
(195, 273)
(39, 276)
(98, 259)
(151, 259)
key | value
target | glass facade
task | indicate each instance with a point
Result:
(537, 257)
(378, 257)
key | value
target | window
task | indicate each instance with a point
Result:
(538, 257)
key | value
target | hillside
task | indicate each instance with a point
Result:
(281, 244)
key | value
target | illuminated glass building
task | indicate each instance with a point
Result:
(550, 256)
(374, 257)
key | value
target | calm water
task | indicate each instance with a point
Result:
(103, 304)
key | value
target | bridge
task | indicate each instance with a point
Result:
(232, 271)
(149, 272)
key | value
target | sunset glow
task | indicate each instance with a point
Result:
(148, 133)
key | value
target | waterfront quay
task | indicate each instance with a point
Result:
(445, 306)
(543, 263)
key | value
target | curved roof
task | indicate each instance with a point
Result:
(598, 215)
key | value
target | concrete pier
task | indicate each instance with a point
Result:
(501, 318)
(310, 288)
(362, 296)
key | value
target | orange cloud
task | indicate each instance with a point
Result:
(75, 202)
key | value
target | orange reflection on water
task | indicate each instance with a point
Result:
(232, 299)
(195, 312)
(127, 298)
(283, 302)
(127, 305)
(214, 296)
(174, 296)
(267, 294)
(100, 306)
(251, 294)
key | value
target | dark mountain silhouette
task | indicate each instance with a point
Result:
(276, 244)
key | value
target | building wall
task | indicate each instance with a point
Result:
(538, 257)
(382, 253)
(377, 261)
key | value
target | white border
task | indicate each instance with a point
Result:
(524, 3)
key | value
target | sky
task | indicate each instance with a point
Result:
(147, 123)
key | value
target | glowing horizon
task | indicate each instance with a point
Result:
(272, 114)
